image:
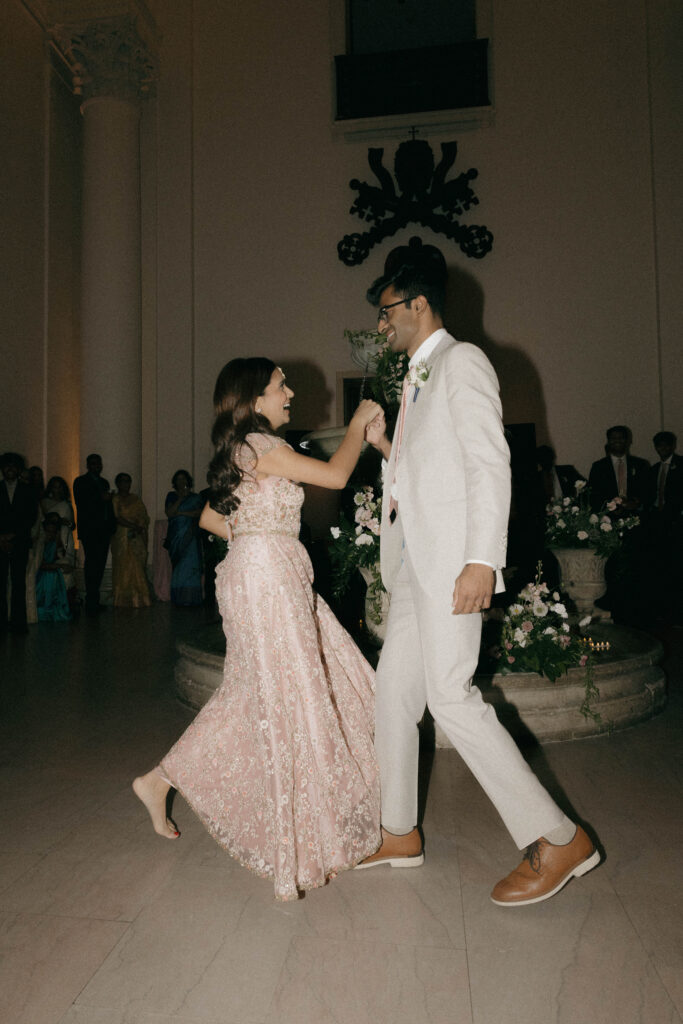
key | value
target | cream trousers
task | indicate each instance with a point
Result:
(428, 658)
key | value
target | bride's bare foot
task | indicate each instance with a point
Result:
(152, 790)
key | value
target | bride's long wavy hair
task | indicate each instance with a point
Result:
(239, 384)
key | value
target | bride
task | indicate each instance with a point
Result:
(279, 765)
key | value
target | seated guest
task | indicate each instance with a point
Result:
(17, 516)
(183, 508)
(129, 548)
(619, 474)
(55, 572)
(555, 481)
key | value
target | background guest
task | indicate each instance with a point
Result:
(619, 474)
(96, 524)
(55, 571)
(37, 481)
(662, 551)
(183, 508)
(18, 508)
(129, 547)
(57, 499)
(554, 481)
(624, 476)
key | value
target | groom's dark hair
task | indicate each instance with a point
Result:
(412, 270)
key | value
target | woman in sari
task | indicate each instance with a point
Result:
(129, 548)
(183, 508)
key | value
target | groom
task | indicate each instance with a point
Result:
(443, 544)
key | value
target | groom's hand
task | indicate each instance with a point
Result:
(473, 589)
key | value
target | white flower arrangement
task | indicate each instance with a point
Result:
(536, 637)
(356, 545)
(570, 523)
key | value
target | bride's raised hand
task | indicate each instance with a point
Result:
(366, 412)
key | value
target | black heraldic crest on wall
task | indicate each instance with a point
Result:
(424, 197)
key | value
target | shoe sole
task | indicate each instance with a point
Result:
(581, 869)
(394, 862)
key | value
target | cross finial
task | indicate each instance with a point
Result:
(413, 132)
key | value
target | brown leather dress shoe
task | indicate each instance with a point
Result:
(397, 851)
(545, 869)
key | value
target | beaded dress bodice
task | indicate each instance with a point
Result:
(270, 505)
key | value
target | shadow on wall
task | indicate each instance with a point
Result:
(312, 403)
(521, 388)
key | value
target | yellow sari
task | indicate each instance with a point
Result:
(129, 554)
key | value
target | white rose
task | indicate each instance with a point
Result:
(606, 527)
(550, 631)
(561, 523)
(335, 531)
(584, 621)
(594, 519)
(560, 610)
(582, 535)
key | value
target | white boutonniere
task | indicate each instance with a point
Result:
(417, 376)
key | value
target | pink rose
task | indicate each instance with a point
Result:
(583, 660)
(527, 626)
(510, 658)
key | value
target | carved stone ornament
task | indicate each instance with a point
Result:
(424, 197)
(108, 55)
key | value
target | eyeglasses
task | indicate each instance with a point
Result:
(382, 311)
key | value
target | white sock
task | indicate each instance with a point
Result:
(563, 834)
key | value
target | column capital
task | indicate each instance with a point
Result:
(110, 46)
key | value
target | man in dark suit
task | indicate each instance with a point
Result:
(96, 523)
(554, 481)
(665, 478)
(18, 510)
(619, 474)
(662, 558)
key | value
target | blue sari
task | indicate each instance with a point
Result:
(184, 547)
(51, 600)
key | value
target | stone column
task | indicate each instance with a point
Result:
(110, 56)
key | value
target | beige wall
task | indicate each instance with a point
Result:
(566, 305)
(22, 226)
(245, 196)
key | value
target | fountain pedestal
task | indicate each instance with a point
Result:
(629, 677)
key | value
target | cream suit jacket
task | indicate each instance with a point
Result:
(453, 474)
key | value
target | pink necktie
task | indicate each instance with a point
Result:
(393, 504)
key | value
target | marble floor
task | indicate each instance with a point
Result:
(103, 922)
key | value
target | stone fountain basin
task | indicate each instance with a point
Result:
(629, 677)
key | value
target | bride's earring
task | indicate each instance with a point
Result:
(258, 410)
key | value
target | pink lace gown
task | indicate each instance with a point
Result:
(279, 765)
